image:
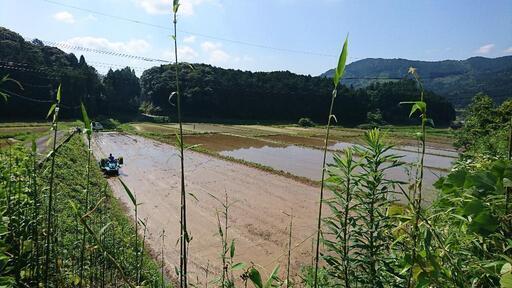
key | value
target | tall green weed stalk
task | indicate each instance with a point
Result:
(88, 133)
(340, 70)
(417, 190)
(49, 225)
(342, 182)
(373, 195)
(184, 239)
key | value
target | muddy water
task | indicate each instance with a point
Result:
(307, 162)
(434, 158)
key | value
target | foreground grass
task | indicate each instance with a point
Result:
(108, 221)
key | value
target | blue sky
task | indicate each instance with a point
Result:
(299, 35)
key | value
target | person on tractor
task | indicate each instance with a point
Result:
(111, 158)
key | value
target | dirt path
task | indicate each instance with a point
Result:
(256, 221)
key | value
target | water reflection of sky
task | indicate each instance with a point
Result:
(307, 162)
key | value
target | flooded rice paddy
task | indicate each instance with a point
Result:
(302, 156)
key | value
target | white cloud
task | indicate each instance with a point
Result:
(91, 17)
(64, 16)
(134, 46)
(210, 46)
(508, 50)
(219, 56)
(190, 39)
(215, 54)
(486, 49)
(185, 53)
(187, 7)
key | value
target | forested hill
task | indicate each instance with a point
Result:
(213, 92)
(458, 81)
(40, 69)
(209, 92)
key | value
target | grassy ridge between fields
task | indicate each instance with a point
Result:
(113, 231)
(71, 161)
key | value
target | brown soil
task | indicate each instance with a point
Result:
(256, 219)
(222, 142)
(298, 140)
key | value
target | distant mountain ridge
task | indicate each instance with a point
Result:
(457, 80)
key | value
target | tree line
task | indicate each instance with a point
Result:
(210, 93)
(40, 69)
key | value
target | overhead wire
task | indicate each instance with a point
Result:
(139, 22)
(24, 67)
(99, 51)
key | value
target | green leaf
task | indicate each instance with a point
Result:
(430, 121)
(193, 196)
(232, 249)
(4, 95)
(506, 280)
(484, 223)
(175, 6)
(104, 228)
(52, 108)
(273, 276)
(255, 277)
(417, 106)
(340, 69)
(474, 207)
(506, 268)
(58, 94)
(85, 118)
(238, 266)
(129, 192)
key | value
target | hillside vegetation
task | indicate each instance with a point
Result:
(458, 81)
(210, 93)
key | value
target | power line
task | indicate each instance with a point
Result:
(262, 46)
(99, 51)
(26, 98)
(24, 67)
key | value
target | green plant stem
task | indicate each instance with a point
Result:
(141, 258)
(289, 251)
(345, 225)
(509, 189)
(322, 184)
(36, 219)
(82, 250)
(50, 201)
(162, 263)
(223, 254)
(183, 218)
(418, 189)
(116, 264)
(136, 232)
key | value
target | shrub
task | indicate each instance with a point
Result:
(110, 123)
(306, 122)
(367, 126)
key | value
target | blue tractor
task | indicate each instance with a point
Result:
(110, 166)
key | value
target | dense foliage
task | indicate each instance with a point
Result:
(215, 93)
(23, 209)
(464, 234)
(485, 128)
(458, 81)
(122, 92)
